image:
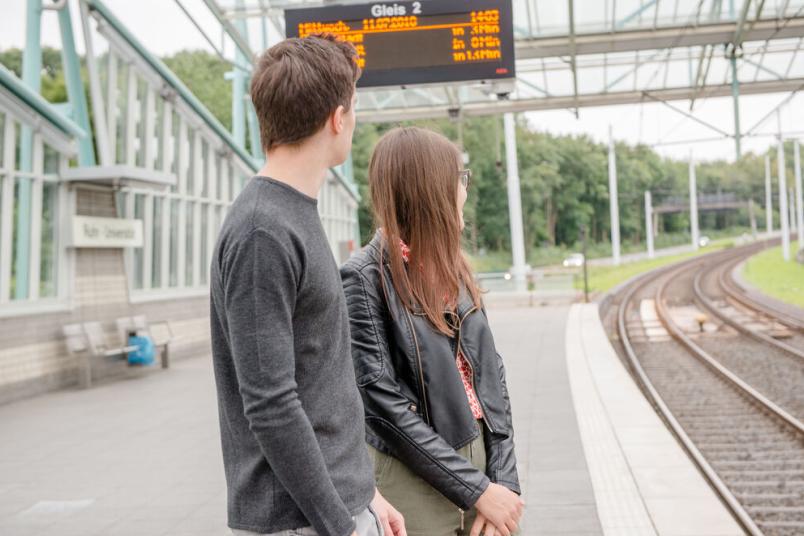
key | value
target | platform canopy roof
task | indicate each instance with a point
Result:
(576, 53)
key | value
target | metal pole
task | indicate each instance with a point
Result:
(514, 202)
(799, 195)
(614, 206)
(735, 95)
(752, 218)
(31, 77)
(75, 86)
(693, 205)
(649, 223)
(768, 197)
(585, 269)
(783, 201)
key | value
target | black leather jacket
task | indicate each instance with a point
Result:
(415, 402)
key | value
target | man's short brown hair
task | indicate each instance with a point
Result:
(298, 83)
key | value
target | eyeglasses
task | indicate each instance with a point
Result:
(466, 176)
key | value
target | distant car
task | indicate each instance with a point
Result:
(574, 260)
(703, 241)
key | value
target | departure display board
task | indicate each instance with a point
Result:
(421, 42)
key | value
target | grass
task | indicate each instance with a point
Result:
(768, 272)
(604, 278)
(601, 278)
(500, 261)
(493, 261)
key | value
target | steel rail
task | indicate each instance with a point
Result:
(732, 379)
(710, 306)
(738, 512)
(734, 291)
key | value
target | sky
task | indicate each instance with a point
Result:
(164, 28)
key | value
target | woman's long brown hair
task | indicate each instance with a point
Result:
(413, 177)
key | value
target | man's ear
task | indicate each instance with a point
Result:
(336, 120)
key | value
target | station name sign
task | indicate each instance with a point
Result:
(422, 42)
(90, 232)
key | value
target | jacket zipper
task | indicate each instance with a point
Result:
(458, 351)
(421, 373)
(485, 413)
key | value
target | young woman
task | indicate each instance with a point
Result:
(438, 417)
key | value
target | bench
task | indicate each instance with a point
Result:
(159, 332)
(86, 341)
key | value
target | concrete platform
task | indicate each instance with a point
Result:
(558, 491)
(142, 456)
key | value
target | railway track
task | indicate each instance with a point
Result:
(729, 396)
(736, 293)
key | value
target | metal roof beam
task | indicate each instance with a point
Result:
(738, 33)
(207, 38)
(568, 101)
(239, 39)
(677, 36)
(572, 53)
(688, 115)
(636, 13)
(763, 68)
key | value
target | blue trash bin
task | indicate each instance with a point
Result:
(144, 354)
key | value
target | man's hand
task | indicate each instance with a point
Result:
(501, 507)
(393, 524)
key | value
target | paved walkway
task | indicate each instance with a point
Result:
(142, 457)
(557, 488)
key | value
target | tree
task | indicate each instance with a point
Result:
(54, 88)
(203, 74)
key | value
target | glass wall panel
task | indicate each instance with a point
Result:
(156, 241)
(204, 233)
(49, 255)
(174, 242)
(188, 243)
(139, 214)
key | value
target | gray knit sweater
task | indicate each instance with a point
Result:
(291, 417)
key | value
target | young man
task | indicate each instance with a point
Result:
(291, 416)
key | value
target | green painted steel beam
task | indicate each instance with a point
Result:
(50, 112)
(735, 95)
(75, 86)
(243, 110)
(31, 77)
(171, 79)
(254, 132)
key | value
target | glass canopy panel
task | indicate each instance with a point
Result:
(622, 48)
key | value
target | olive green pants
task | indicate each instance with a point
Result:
(426, 511)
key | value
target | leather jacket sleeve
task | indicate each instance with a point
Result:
(500, 457)
(388, 412)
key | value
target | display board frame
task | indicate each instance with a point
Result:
(349, 21)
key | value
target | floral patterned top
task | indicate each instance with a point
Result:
(464, 369)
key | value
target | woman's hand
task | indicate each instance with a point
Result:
(483, 526)
(392, 522)
(499, 507)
